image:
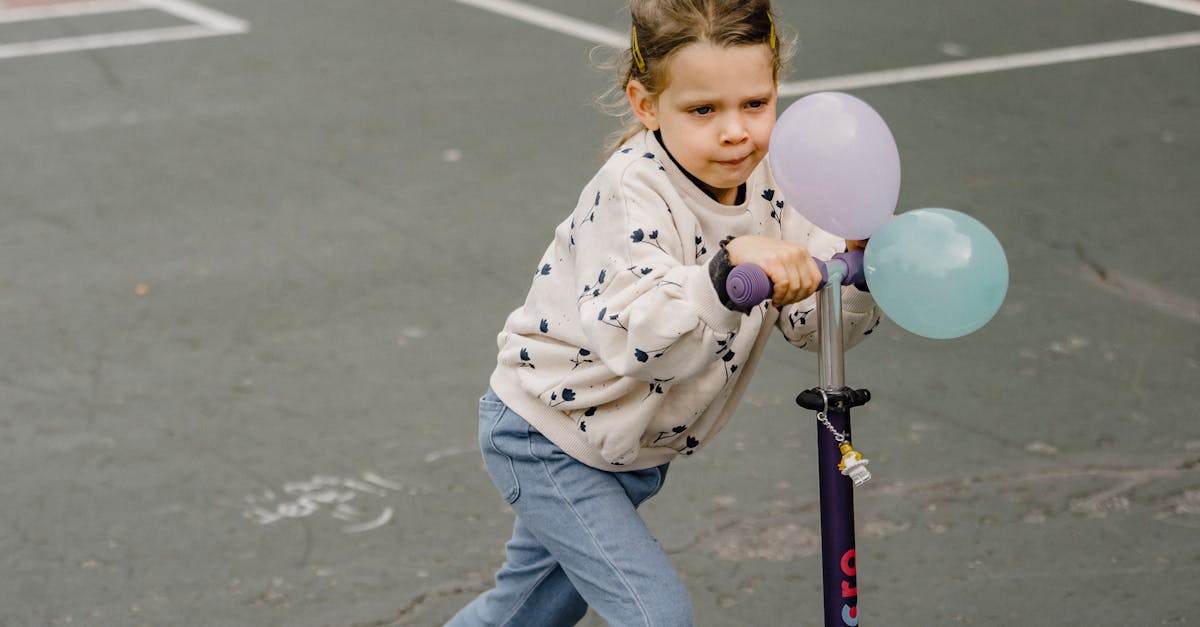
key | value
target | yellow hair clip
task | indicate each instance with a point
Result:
(774, 42)
(637, 53)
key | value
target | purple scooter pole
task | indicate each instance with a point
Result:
(747, 285)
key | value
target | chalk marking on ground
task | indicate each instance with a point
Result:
(323, 493)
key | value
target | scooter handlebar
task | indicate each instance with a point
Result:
(748, 285)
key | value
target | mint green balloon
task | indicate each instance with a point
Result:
(938, 273)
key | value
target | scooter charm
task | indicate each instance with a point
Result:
(853, 464)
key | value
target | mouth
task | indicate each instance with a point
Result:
(734, 163)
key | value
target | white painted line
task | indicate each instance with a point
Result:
(106, 40)
(217, 21)
(1183, 6)
(553, 21)
(205, 23)
(72, 9)
(608, 37)
(968, 67)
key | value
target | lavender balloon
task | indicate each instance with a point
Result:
(836, 162)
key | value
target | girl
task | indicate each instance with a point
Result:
(627, 352)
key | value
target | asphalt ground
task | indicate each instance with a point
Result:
(250, 285)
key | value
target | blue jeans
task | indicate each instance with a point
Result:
(578, 540)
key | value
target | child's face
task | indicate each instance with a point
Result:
(715, 113)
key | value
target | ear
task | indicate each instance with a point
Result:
(644, 106)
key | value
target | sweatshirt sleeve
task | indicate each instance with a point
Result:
(647, 311)
(799, 321)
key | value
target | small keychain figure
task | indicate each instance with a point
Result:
(853, 464)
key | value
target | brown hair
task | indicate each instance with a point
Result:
(661, 27)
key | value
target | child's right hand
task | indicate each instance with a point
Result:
(790, 266)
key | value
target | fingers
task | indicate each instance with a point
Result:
(792, 271)
(811, 278)
(787, 286)
(814, 273)
(798, 279)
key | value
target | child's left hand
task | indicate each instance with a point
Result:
(856, 244)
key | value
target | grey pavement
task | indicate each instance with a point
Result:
(250, 286)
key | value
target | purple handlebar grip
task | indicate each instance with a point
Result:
(748, 285)
(854, 269)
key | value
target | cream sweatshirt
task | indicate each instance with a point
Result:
(623, 353)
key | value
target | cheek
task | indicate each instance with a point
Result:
(762, 133)
(682, 144)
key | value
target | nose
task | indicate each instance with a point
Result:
(734, 131)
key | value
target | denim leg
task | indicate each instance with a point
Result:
(588, 520)
(531, 589)
(577, 530)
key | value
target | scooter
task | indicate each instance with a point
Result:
(840, 467)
